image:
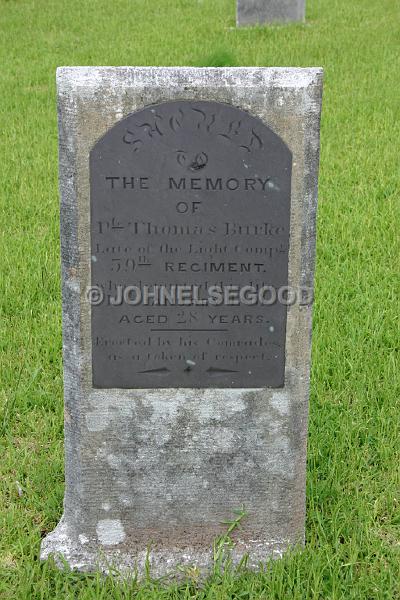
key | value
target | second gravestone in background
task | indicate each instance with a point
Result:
(259, 12)
(181, 408)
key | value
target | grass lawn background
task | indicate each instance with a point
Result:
(353, 491)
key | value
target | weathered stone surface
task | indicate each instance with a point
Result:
(163, 467)
(257, 12)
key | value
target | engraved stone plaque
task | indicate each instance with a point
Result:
(190, 218)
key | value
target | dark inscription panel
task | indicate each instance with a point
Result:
(190, 194)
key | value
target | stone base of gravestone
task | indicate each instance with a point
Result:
(259, 12)
(153, 469)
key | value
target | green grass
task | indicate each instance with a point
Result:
(353, 490)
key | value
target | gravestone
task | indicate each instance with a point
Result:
(188, 206)
(258, 12)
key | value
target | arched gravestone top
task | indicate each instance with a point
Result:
(189, 193)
